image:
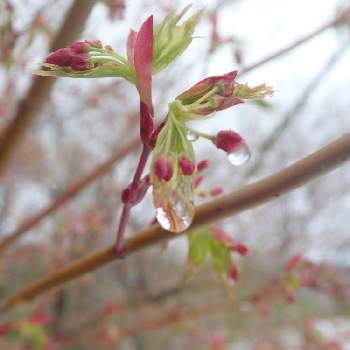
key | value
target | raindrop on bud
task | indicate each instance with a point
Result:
(162, 218)
(191, 136)
(240, 155)
(185, 215)
(178, 215)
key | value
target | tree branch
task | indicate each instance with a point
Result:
(318, 163)
(40, 88)
(341, 18)
(290, 115)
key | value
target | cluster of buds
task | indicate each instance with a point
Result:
(86, 59)
(216, 93)
(76, 56)
(224, 237)
(170, 166)
(164, 169)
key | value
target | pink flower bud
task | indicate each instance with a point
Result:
(187, 165)
(228, 141)
(134, 193)
(80, 47)
(80, 62)
(216, 191)
(6, 328)
(202, 165)
(197, 181)
(95, 43)
(163, 168)
(234, 273)
(41, 318)
(67, 57)
(61, 57)
(210, 95)
(241, 249)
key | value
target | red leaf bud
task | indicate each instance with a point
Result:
(163, 168)
(187, 165)
(228, 140)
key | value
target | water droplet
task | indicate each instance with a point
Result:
(184, 213)
(177, 216)
(162, 218)
(191, 136)
(240, 156)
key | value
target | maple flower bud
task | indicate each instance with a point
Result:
(217, 191)
(212, 94)
(133, 194)
(241, 249)
(197, 181)
(80, 46)
(228, 141)
(202, 165)
(187, 165)
(234, 273)
(88, 59)
(163, 168)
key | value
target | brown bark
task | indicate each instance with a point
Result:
(40, 88)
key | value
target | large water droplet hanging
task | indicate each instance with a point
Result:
(184, 213)
(175, 214)
(191, 136)
(240, 156)
(162, 218)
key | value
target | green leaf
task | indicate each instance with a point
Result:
(199, 247)
(221, 257)
(171, 39)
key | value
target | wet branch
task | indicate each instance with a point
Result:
(40, 88)
(296, 175)
(342, 17)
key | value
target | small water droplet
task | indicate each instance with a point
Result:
(240, 156)
(162, 218)
(191, 136)
(184, 213)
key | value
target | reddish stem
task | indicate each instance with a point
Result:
(120, 247)
(146, 151)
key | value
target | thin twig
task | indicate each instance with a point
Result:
(40, 88)
(318, 163)
(341, 18)
(125, 212)
(295, 110)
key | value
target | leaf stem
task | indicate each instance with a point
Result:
(125, 214)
